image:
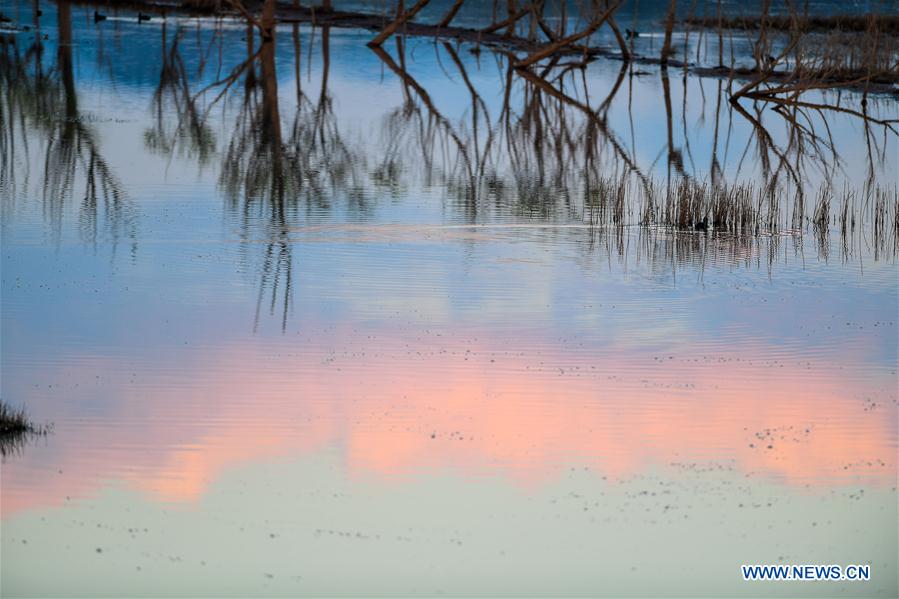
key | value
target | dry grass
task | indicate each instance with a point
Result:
(741, 208)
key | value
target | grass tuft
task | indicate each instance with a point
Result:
(14, 421)
(16, 428)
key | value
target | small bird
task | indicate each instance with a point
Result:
(38, 13)
(631, 34)
(702, 225)
(142, 17)
(98, 17)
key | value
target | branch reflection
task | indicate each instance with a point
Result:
(43, 102)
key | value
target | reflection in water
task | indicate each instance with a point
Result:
(482, 285)
(258, 168)
(16, 431)
(46, 102)
(546, 151)
(173, 103)
(476, 408)
(265, 174)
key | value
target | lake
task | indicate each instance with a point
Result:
(308, 318)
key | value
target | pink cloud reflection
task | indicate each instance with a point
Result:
(465, 408)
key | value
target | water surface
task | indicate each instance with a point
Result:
(354, 323)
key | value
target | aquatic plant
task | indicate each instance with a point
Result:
(13, 421)
(16, 428)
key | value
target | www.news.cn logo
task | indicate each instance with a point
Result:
(806, 572)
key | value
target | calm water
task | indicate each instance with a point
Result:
(322, 321)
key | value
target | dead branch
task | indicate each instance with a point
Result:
(553, 47)
(397, 23)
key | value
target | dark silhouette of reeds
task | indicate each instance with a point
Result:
(16, 429)
(14, 421)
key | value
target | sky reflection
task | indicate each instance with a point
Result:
(372, 277)
(432, 401)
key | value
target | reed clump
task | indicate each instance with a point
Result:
(886, 213)
(14, 421)
(740, 208)
(16, 428)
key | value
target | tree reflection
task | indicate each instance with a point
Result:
(268, 171)
(45, 102)
(535, 145)
(547, 153)
(172, 102)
